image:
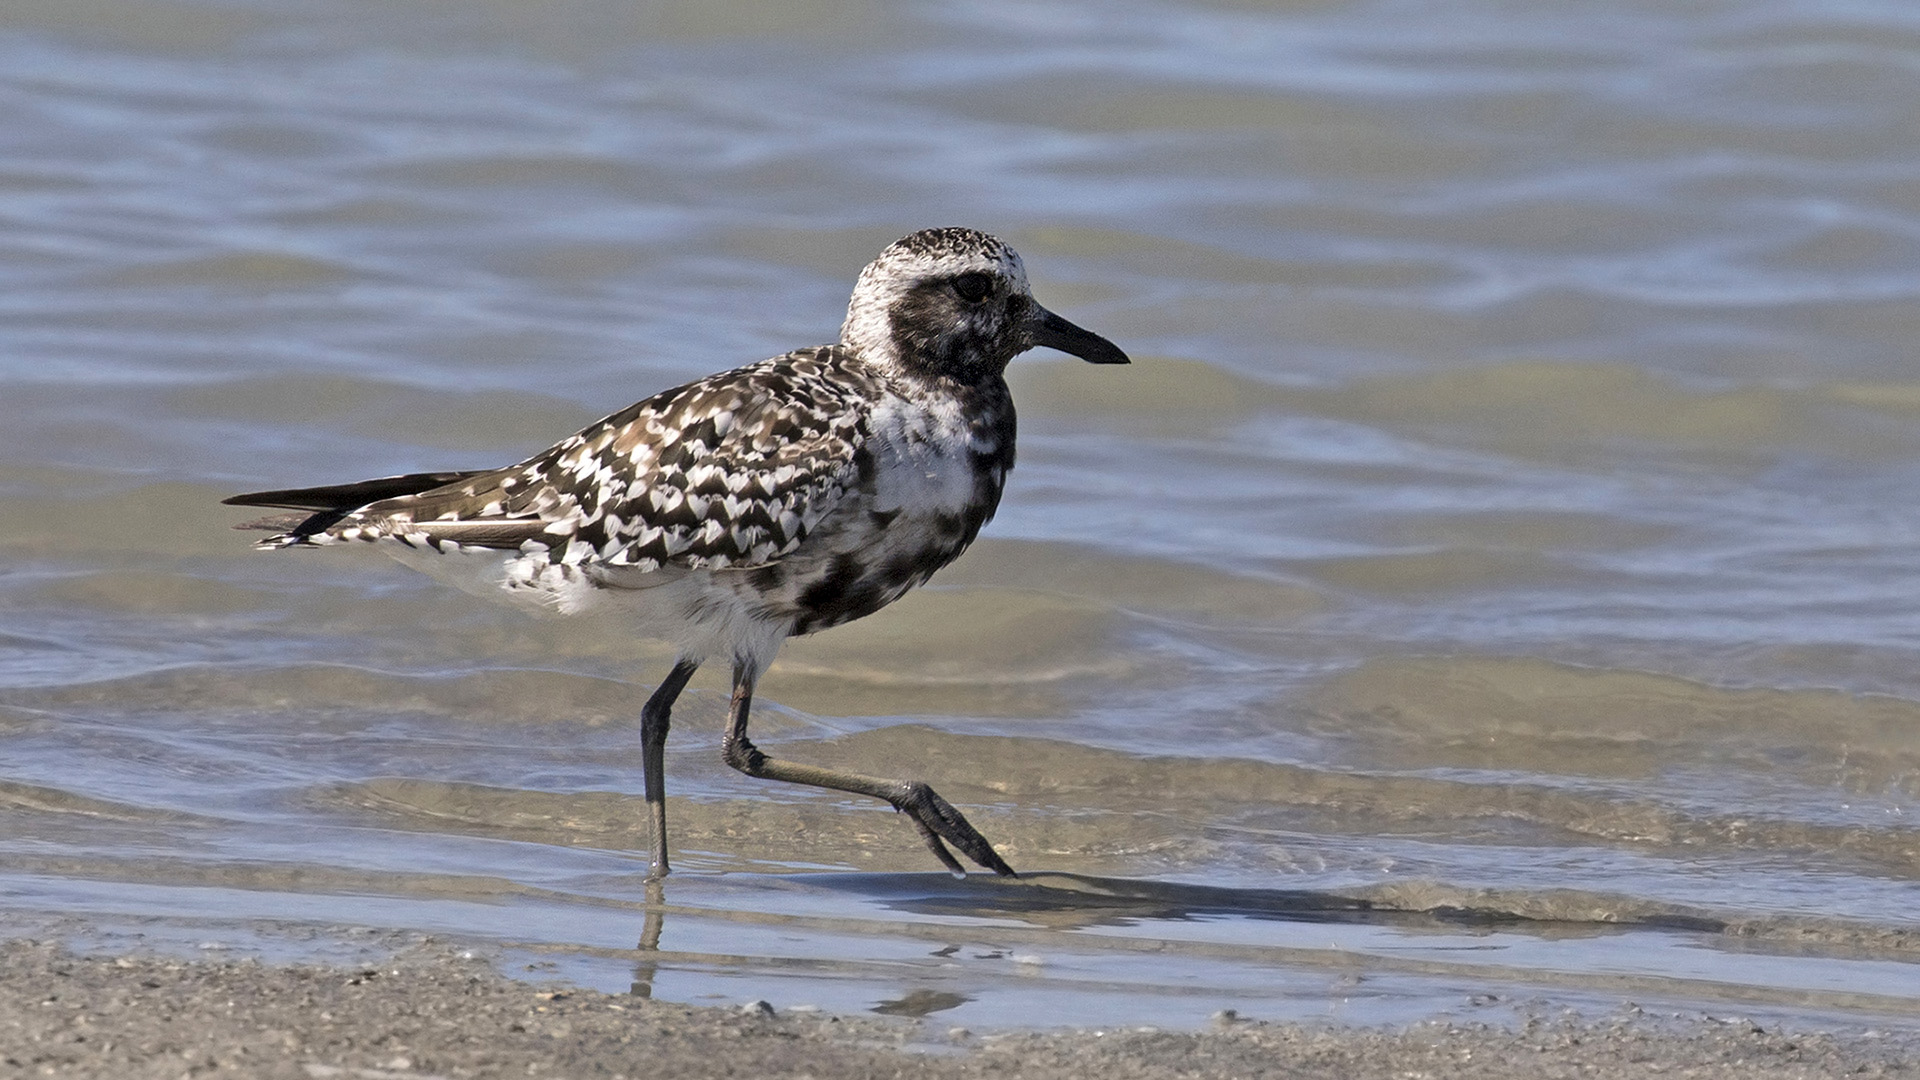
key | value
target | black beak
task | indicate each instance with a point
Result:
(1057, 333)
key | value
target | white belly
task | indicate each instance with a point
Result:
(685, 608)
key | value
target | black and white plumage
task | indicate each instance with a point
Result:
(739, 510)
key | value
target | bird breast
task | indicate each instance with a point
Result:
(927, 460)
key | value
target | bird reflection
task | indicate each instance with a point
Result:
(649, 947)
(1065, 902)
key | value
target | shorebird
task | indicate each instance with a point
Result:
(734, 512)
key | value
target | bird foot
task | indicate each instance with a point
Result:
(936, 820)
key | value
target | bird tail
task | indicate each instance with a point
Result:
(324, 507)
(286, 528)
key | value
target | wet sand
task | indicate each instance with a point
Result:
(438, 1012)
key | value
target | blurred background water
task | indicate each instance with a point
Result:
(1507, 514)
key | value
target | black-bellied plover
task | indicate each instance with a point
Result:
(731, 513)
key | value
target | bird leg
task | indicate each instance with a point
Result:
(654, 717)
(933, 816)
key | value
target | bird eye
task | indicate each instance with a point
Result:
(973, 287)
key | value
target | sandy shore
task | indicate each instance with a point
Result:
(436, 1013)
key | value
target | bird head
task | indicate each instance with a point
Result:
(954, 303)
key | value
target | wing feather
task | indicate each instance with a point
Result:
(734, 470)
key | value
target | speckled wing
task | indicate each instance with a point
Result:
(734, 470)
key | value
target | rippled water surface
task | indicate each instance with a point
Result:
(1497, 574)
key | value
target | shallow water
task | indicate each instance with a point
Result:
(1502, 536)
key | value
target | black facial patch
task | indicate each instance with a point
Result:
(940, 334)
